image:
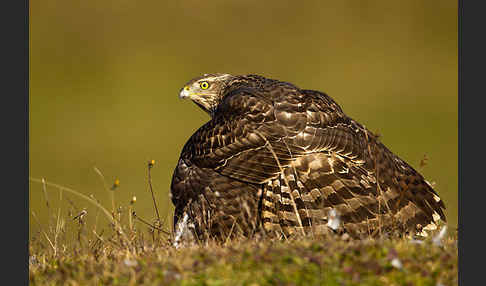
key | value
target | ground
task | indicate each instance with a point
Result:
(306, 261)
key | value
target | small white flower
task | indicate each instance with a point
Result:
(130, 262)
(396, 263)
(333, 220)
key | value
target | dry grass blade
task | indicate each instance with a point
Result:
(270, 148)
(105, 186)
(59, 221)
(105, 211)
(130, 211)
(231, 231)
(97, 212)
(150, 165)
(44, 189)
(45, 234)
(149, 224)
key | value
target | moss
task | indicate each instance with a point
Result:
(305, 262)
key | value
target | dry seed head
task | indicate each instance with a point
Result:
(151, 163)
(81, 214)
(424, 161)
(115, 184)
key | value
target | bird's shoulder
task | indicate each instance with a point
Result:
(248, 92)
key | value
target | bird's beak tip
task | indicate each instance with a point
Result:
(184, 93)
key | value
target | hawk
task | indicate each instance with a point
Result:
(277, 158)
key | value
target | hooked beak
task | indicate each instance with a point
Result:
(185, 93)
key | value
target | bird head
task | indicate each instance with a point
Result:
(206, 91)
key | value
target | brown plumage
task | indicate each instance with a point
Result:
(279, 158)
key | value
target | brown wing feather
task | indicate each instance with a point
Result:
(308, 157)
(217, 205)
(354, 173)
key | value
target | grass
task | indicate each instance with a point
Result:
(130, 250)
(301, 262)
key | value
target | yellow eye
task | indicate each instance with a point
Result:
(204, 85)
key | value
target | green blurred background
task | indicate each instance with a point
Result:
(105, 77)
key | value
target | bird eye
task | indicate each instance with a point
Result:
(204, 85)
